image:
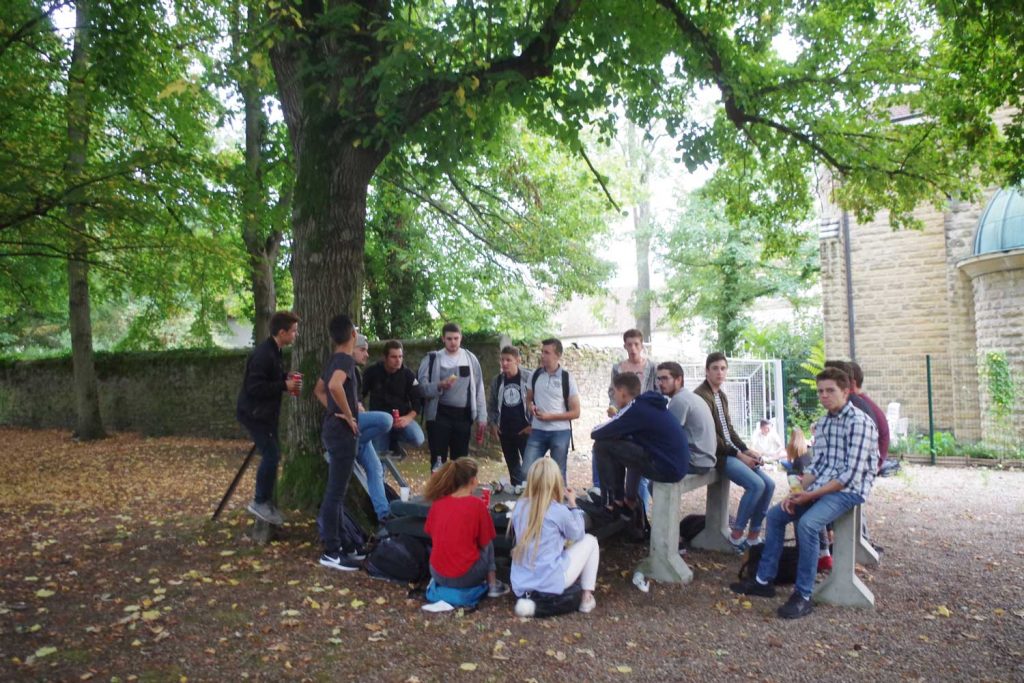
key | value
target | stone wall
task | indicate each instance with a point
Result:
(188, 393)
(901, 302)
(999, 309)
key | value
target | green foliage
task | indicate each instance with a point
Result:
(475, 242)
(814, 364)
(979, 47)
(718, 270)
(1002, 390)
(797, 345)
(152, 212)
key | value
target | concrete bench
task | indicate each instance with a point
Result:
(843, 587)
(663, 562)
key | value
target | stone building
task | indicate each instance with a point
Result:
(954, 291)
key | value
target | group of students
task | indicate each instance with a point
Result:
(651, 435)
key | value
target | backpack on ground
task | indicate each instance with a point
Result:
(554, 604)
(352, 536)
(400, 558)
(565, 396)
(787, 564)
(690, 526)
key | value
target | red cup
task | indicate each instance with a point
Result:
(485, 493)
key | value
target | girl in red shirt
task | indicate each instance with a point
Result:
(461, 530)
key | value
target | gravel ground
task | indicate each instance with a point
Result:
(91, 531)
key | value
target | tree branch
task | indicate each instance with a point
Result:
(533, 62)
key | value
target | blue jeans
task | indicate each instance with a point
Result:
(372, 425)
(758, 489)
(540, 442)
(810, 521)
(411, 433)
(265, 439)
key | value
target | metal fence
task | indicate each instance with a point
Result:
(754, 390)
(952, 407)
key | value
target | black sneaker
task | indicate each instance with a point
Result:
(797, 606)
(341, 562)
(752, 587)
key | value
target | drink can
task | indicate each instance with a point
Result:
(296, 376)
(395, 415)
(485, 493)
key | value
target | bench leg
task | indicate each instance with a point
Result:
(843, 587)
(866, 555)
(261, 532)
(716, 525)
(663, 562)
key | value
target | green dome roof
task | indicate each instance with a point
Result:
(1002, 225)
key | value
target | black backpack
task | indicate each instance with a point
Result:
(787, 564)
(689, 527)
(565, 396)
(554, 604)
(352, 536)
(400, 558)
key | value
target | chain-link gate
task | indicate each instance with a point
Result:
(754, 390)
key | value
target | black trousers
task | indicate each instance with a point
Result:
(620, 465)
(448, 434)
(512, 447)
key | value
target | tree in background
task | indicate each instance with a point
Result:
(102, 162)
(262, 180)
(718, 270)
(798, 344)
(480, 241)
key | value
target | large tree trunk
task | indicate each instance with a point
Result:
(89, 424)
(329, 231)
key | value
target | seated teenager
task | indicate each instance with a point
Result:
(643, 439)
(461, 530)
(740, 464)
(545, 519)
(840, 477)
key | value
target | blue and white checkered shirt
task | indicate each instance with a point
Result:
(845, 450)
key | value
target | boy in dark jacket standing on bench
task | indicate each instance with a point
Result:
(259, 408)
(642, 440)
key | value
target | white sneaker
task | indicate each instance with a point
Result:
(588, 604)
(526, 608)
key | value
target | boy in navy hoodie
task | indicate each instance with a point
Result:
(642, 440)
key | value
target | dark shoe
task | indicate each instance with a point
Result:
(752, 587)
(797, 606)
(266, 512)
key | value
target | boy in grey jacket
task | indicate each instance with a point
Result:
(453, 391)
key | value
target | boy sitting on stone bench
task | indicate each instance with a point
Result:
(643, 439)
(839, 478)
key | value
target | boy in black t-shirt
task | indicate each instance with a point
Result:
(507, 413)
(336, 391)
